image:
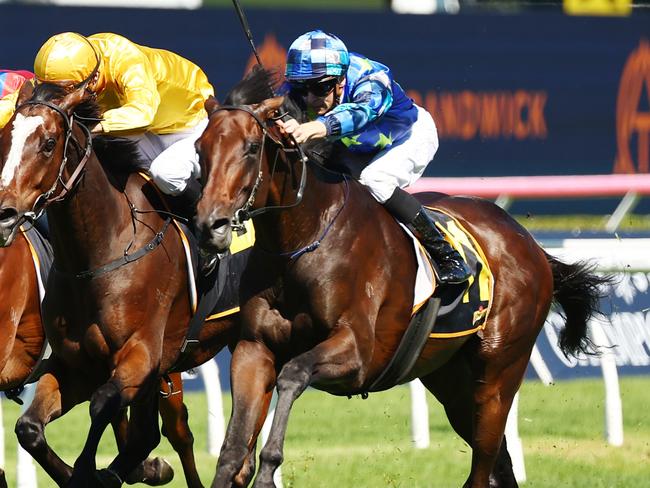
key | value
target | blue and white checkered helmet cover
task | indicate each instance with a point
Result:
(316, 54)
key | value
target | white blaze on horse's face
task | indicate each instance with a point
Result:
(22, 129)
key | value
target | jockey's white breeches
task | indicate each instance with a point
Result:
(172, 156)
(403, 163)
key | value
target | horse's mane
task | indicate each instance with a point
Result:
(257, 86)
(52, 92)
(116, 154)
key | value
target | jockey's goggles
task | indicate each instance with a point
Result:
(319, 88)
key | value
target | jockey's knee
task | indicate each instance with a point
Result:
(380, 189)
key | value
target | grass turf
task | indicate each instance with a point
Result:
(334, 441)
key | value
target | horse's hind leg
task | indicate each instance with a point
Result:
(458, 389)
(176, 428)
(54, 397)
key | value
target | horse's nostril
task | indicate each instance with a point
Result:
(219, 223)
(8, 213)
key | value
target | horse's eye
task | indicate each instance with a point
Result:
(49, 145)
(254, 148)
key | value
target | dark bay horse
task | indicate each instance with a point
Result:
(21, 345)
(329, 288)
(113, 333)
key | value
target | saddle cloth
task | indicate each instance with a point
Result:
(464, 308)
(220, 289)
(223, 283)
(41, 256)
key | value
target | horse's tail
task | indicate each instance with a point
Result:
(578, 290)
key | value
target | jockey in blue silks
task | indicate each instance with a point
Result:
(355, 100)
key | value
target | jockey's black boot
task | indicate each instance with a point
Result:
(408, 210)
(451, 265)
(184, 205)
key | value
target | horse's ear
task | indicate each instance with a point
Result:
(211, 104)
(268, 107)
(25, 93)
(74, 98)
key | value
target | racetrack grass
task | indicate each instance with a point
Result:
(334, 441)
(582, 223)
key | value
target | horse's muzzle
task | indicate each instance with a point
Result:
(215, 234)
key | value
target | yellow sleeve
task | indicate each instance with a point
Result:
(7, 107)
(139, 97)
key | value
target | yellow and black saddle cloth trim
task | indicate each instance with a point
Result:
(463, 310)
(42, 256)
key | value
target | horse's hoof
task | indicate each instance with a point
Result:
(107, 479)
(152, 472)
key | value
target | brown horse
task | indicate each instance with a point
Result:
(21, 345)
(115, 329)
(22, 338)
(328, 294)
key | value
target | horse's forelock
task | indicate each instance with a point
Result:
(53, 92)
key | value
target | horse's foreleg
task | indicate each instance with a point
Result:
(134, 373)
(52, 399)
(252, 371)
(143, 437)
(152, 471)
(336, 357)
(177, 430)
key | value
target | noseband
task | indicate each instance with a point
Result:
(244, 213)
(45, 199)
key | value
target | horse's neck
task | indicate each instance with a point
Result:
(83, 225)
(289, 229)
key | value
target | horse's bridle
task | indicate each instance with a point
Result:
(244, 213)
(48, 197)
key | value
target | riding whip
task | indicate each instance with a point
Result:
(247, 30)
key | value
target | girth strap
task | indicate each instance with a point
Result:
(409, 348)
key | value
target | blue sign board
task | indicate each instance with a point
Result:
(530, 94)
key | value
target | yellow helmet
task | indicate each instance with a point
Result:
(66, 57)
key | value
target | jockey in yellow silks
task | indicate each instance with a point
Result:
(150, 95)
